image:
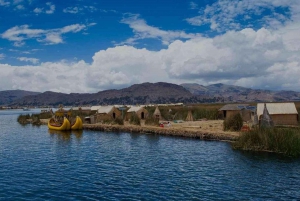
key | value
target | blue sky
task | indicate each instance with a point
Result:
(50, 45)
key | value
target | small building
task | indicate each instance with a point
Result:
(189, 116)
(246, 111)
(95, 108)
(140, 111)
(82, 110)
(157, 114)
(107, 113)
(281, 113)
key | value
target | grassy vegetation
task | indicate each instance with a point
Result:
(151, 121)
(135, 120)
(233, 123)
(200, 111)
(285, 141)
(23, 119)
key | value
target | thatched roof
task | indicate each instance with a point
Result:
(135, 108)
(277, 108)
(95, 108)
(157, 112)
(105, 109)
(189, 116)
(233, 107)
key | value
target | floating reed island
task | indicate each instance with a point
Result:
(191, 132)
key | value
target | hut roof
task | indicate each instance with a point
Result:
(157, 111)
(233, 107)
(135, 108)
(277, 108)
(95, 108)
(105, 109)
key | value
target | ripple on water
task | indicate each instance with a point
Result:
(39, 165)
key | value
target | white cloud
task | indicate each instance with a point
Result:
(27, 59)
(20, 7)
(76, 9)
(226, 15)
(38, 10)
(72, 10)
(49, 10)
(4, 3)
(17, 1)
(142, 31)
(19, 34)
(2, 56)
(193, 5)
(263, 58)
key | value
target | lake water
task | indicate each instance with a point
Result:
(88, 165)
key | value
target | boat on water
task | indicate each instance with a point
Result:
(25, 109)
(59, 126)
(62, 120)
(77, 125)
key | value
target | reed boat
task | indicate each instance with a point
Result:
(65, 125)
(77, 124)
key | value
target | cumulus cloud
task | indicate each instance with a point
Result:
(142, 31)
(19, 34)
(50, 8)
(4, 3)
(265, 58)
(72, 10)
(27, 59)
(76, 9)
(226, 15)
(193, 5)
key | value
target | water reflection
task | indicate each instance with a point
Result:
(66, 135)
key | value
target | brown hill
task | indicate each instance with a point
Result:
(9, 96)
(136, 94)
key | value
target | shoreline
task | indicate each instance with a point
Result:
(188, 132)
(203, 135)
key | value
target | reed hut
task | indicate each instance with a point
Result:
(246, 111)
(281, 113)
(157, 114)
(107, 113)
(140, 111)
(189, 116)
(82, 110)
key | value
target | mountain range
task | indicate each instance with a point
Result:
(147, 93)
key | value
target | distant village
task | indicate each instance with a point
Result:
(280, 113)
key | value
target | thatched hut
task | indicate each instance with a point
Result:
(82, 110)
(140, 111)
(157, 114)
(245, 110)
(281, 113)
(189, 116)
(107, 113)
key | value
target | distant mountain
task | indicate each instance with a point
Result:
(146, 93)
(9, 96)
(231, 93)
(136, 94)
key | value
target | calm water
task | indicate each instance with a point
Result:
(38, 165)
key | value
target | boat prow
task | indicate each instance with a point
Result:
(78, 124)
(59, 127)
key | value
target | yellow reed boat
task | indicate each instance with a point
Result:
(77, 124)
(65, 125)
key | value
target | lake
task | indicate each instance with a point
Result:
(36, 164)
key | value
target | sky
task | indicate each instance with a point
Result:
(86, 46)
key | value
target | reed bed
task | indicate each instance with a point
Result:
(284, 141)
